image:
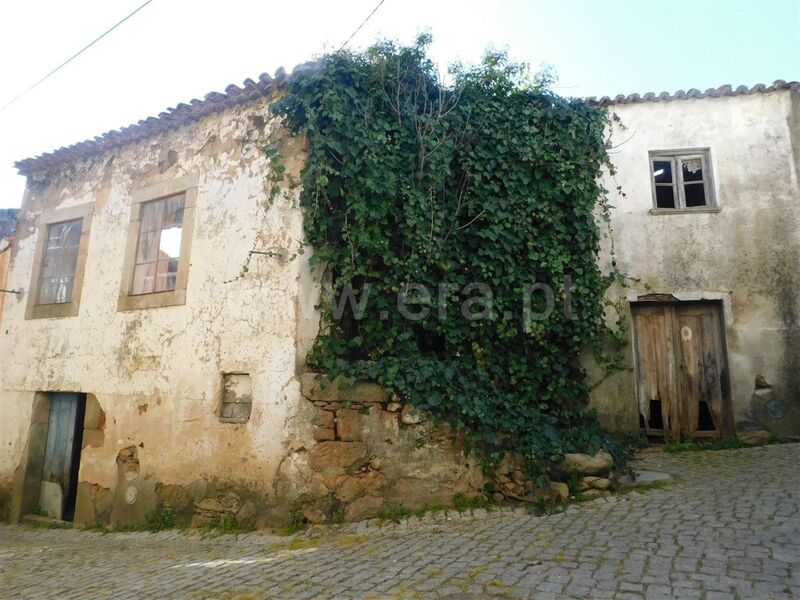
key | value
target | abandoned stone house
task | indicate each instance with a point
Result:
(144, 367)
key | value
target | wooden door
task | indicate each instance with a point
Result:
(61, 455)
(681, 370)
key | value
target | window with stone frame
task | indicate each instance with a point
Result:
(681, 180)
(158, 249)
(59, 262)
(155, 268)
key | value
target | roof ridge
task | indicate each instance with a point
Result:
(718, 92)
(214, 102)
(171, 118)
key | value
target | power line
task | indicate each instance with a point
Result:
(74, 56)
(364, 22)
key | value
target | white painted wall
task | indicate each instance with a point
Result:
(749, 252)
(157, 372)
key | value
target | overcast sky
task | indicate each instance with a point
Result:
(176, 50)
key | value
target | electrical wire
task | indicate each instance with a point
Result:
(76, 55)
(364, 22)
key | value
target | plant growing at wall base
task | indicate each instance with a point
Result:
(434, 192)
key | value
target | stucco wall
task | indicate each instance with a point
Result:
(156, 373)
(5, 256)
(747, 255)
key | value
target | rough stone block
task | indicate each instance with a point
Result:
(596, 483)
(324, 419)
(411, 415)
(210, 505)
(560, 490)
(349, 425)
(585, 464)
(318, 387)
(324, 434)
(363, 508)
(755, 438)
(336, 454)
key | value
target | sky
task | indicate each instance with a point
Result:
(175, 50)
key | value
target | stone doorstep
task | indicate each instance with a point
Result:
(41, 520)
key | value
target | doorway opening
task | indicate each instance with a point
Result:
(62, 453)
(681, 369)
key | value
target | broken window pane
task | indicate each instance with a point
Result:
(680, 180)
(692, 169)
(59, 261)
(159, 246)
(662, 171)
(170, 244)
(695, 194)
(665, 196)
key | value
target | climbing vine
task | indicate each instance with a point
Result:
(445, 212)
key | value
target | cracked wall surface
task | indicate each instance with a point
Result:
(156, 373)
(747, 255)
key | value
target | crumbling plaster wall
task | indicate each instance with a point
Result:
(156, 373)
(5, 256)
(747, 254)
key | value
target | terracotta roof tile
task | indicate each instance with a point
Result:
(723, 90)
(234, 95)
(172, 118)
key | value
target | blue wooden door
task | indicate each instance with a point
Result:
(58, 454)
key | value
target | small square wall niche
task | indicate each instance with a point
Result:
(237, 398)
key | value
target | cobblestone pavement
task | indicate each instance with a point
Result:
(727, 527)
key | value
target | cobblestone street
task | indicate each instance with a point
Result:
(728, 526)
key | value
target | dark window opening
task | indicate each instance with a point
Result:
(695, 194)
(662, 171)
(680, 179)
(665, 198)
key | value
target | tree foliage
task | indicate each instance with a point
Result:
(491, 179)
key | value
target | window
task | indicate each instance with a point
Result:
(681, 180)
(156, 268)
(59, 262)
(158, 250)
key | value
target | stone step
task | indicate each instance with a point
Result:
(41, 520)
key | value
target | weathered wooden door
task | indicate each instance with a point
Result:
(61, 455)
(681, 370)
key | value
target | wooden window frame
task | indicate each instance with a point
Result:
(33, 310)
(674, 157)
(186, 185)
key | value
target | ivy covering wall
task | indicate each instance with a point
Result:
(434, 193)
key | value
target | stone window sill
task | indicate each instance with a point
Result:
(53, 311)
(156, 300)
(684, 211)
